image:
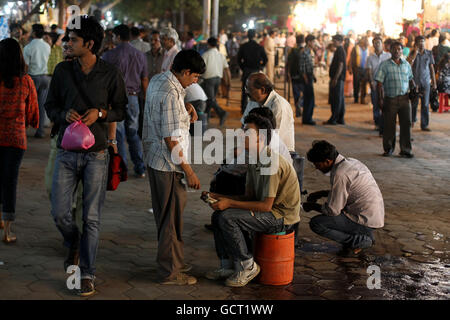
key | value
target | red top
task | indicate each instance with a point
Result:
(18, 109)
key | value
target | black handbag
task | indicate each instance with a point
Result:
(434, 100)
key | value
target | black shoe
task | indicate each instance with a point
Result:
(387, 153)
(223, 118)
(341, 122)
(87, 287)
(298, 112)
(426, 129)
(209, 227)
(73, 259)
(406, 155)
(310, 123)
(331, 123)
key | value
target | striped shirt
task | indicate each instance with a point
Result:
(306, 63)
(164, 116)
(394, 77)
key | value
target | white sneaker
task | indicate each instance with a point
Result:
(218, 274)
(241, 278)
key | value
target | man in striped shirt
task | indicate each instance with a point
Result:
(165, 140)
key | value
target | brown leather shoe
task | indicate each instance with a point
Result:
(181, 279)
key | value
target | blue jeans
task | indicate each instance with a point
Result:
(42, 84)
(377, 115)
(229, 227)
(211, 87)
(337, 102)
(92, 169)
(343, 230)
(424, 107)
(10, 160)
(309, 102)
(298, 88)
(128, 130)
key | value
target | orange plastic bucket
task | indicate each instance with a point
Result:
(275, 254)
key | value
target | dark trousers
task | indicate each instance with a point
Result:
(359, 83)
(298, 90)
(424, 107)
(342, 230)
(10, 160)
(392, 107)
(168, 202)
(42, 84)
(377, 114)
(229, 227)
(309, 102)
(337, 102)
(211, 87)
(200, 107)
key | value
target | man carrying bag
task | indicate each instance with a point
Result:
(104, 85)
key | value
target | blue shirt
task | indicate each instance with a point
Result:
(421, 68)
(131, 62)
(394, 77)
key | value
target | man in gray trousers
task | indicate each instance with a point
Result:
(394, 79)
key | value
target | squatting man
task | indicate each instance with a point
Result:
(354, 206)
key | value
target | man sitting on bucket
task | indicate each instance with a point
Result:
(271, 204)
(355, 205)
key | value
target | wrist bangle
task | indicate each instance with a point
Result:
(112, 141)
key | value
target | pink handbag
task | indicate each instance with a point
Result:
(77, 137)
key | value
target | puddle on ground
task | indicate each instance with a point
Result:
(401, 278)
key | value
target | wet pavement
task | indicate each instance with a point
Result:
(411, 251)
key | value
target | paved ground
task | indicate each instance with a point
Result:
(412, 250)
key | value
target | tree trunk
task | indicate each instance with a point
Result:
(32, 12)
(61, 13)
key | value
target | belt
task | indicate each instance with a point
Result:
(133, 93)
(401, 96)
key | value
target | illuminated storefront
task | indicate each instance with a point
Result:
(386, 16)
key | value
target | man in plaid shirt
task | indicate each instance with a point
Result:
(307, 72)
(394, 78)
(165, 140)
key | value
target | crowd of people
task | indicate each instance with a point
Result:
(139, 93)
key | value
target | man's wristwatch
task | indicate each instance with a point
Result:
(112, 141)
(100, 113)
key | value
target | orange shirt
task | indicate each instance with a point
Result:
(18, 109)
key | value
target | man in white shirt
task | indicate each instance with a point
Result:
(372, 64)
(169, 38)
(262, 94)
(355, 204)
(223, 38)
(269, 47)
(197, 97)
(36, 55)
(216, 65)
